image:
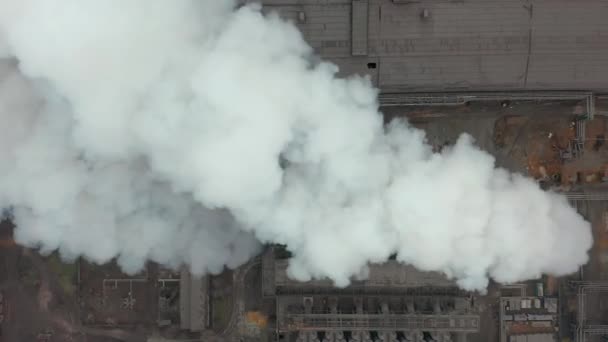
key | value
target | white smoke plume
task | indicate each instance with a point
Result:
(190, 131)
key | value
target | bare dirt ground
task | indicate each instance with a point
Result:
(38, 306)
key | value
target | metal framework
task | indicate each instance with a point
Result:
(587, 196)
(596, 329)
(113, 284)
(380, 322)
(372, 291)
(452, 99)
(581, 126)
(582, 329)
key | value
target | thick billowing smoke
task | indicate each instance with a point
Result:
(189, 132)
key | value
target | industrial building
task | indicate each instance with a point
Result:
(395, 303)
(459, 45)
(529, 319)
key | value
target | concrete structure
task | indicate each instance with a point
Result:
(467, 45)
(194, 302)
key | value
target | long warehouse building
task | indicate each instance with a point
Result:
(459, 45)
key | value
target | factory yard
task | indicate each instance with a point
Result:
(46, 300)
(527, 79)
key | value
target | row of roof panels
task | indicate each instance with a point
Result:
(473, 44)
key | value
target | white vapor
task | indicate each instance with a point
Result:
(154, 130)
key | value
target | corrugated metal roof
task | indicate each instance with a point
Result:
(462, 45)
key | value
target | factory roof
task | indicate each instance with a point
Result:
(390, 274)
(446, 45)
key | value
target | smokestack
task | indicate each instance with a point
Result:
(154, 131)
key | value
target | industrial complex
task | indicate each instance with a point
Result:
(531, 90)
(395, 303)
